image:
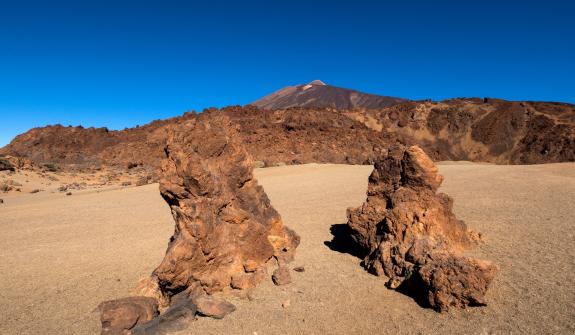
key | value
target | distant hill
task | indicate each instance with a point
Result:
(318, 95)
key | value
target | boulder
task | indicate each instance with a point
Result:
(410, 234)
(121, 315)
(177, 317)
(226, 229)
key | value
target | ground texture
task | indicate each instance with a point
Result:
(62, 255)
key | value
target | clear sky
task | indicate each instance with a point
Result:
(122, 63)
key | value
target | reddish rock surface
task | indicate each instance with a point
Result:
(485, 130)
(411, 235)
(226, 229)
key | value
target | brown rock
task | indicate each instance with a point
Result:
(121, 315)
(456, 281)
(410, 233)
(281, 276)
(245, 281)
(177, 317)
(225, 224)
(212, 306)
(299, 269)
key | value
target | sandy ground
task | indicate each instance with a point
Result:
(60, 256)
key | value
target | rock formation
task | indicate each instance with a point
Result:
(484, 130)
(412, 237)
(226, 229)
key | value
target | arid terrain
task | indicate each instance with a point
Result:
(480, 130)
(63, 255)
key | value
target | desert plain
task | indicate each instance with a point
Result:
(62, 255)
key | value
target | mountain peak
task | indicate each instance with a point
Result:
(318, 94)
(317, 82)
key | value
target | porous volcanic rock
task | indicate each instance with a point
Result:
(226, 229)
(412, 237)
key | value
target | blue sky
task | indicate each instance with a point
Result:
(123, 63)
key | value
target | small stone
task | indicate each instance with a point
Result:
(286, 303)
(35, 191)
(281, 276)
(1, 201)
(69, 193)
(214, 307)
(299, 269)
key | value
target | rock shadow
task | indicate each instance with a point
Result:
(343, 241)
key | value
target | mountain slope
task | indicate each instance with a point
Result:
(317, 95)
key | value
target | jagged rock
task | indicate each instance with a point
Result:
(281, 276)
(458, 281)
(411, 234)
(224, 220)
(212, 306)
(121, 315)
(181, 312)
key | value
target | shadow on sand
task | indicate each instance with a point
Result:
(343, 242)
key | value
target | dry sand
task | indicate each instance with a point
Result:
(60, 256)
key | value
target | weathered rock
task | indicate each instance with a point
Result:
(149, 287)
(458, 281)
(299, 269)
(244, 281)
(212, 306)
(1, 201)
(121, 315)
(410, 232)
(225, 225)
(281, 276)
(178, 316)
